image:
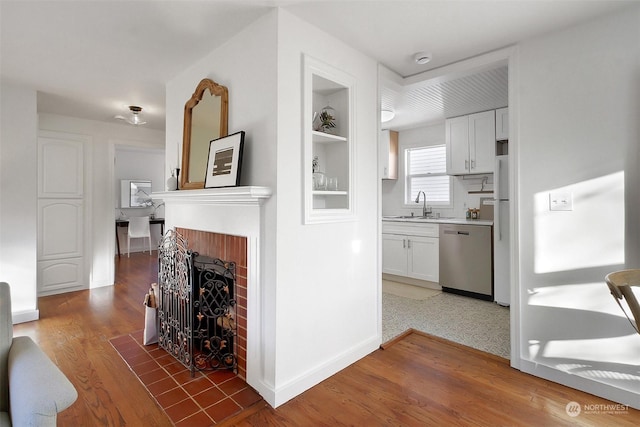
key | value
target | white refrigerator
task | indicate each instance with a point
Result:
(501, 257)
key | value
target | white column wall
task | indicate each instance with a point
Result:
(247, 66)
(328, 282)
(579, 133)
(313, 320)
(18, 189)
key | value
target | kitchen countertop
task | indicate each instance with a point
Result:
(441, 220)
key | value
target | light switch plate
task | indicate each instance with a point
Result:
(560, 201)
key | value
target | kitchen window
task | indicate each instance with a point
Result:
(425, 170)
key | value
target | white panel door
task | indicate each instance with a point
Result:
(60, 228)
(60, 168)
(59, 276)
(61, 213)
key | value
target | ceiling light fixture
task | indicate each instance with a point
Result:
(134, 118)
(422, 58)
(386, 115)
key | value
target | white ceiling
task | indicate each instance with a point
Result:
(91, 59)
(436, 99)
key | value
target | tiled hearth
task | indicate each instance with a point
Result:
(202, 400)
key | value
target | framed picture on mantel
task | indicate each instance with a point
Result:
(225, 161)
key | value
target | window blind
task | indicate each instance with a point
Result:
(426, 171)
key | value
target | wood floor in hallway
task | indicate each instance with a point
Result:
(419, 380)
(74, 329)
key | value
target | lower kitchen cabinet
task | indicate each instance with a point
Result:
(394, 254)
(411, 251)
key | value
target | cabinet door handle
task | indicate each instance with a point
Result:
(404, 244)
(408, 243)
(473, 164)
(466, 164)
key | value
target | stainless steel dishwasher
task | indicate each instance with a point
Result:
(466, 260)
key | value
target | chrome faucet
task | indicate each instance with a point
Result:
(425, 211)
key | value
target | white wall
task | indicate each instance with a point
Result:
(248, 71)
(579, 133)
(104, 136)
(247, 66)
(18, 189)
(393, 189)
(313, 319)
(328, 282)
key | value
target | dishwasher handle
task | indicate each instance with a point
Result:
(456, 232)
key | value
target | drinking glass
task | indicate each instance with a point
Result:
(332, 184)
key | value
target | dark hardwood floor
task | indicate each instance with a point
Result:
(74, 329)
(422, 380)
(417, 381)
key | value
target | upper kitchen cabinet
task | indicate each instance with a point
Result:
(502, 124)
(471, 143)
(328, 143)
(388, 154)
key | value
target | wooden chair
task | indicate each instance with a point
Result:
(620, 283)
(138, 228)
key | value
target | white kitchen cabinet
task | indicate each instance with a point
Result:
(394, 254)
(388, 154)
(329, 150)
(471, 143)
(457, 141)
(423, 256)
(410, 250)
(482, 142)
(502, 124)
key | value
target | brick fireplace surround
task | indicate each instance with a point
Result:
(228, 223)
(227, 248)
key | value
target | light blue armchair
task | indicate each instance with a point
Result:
(32, 388)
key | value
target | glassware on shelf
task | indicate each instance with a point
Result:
(319, 181)
(332, 183)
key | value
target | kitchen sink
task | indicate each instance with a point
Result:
(418, 217)
(409, 217)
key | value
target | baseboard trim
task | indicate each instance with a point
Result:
(25, 316)
(577, 382)
(314, 376)
(392, 341)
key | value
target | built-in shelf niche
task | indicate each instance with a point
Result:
(327, 86)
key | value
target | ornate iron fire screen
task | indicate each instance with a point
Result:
(214, 309)
(175, 308)
(196, 306)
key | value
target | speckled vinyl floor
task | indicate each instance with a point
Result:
(479, 324)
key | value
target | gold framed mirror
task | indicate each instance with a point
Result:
(205, 118)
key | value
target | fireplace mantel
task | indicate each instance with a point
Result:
(246, 195)
(233, 211)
